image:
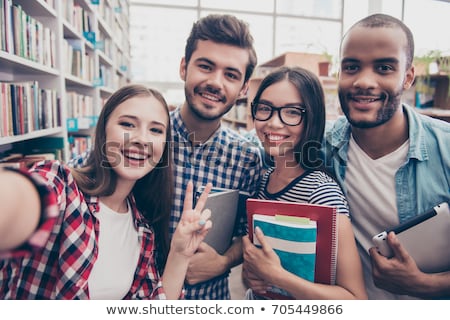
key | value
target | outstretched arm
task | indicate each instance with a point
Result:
(190, 232)
(19, 209)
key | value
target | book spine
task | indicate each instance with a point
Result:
(333, 248)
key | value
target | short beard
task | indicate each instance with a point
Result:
(199, 114)
(385, 113)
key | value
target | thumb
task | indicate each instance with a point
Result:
(262, 239)
(399, 250)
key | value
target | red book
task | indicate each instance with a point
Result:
(326, 242)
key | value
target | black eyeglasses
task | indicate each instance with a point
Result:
(289, 115)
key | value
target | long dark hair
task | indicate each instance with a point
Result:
(153, 192)
(307, 151)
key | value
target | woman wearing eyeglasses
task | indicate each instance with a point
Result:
(289, 117)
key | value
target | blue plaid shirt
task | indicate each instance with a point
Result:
(227, 160)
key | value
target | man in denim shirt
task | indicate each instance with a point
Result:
(392, 162)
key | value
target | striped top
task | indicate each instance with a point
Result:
(315, 187)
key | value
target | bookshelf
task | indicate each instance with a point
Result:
(59, 62)
(236, 118)
(430, 91)
(430, 95)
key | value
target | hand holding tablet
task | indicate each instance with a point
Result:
(426, 237)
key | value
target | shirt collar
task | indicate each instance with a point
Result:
(339, 135)
(180, 128)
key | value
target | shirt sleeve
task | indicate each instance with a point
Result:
(330, 194)
(159, 294)
(80, 160)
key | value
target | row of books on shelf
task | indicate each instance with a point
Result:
(26, 153)
(107, 11)
(77, 17)
(104, 10)
(25, 161)
(104, 44)
(107, 78)
(25, 36)
(79, 145)
(79, 105)
(25, 107)
(77, 61)
(81, 123)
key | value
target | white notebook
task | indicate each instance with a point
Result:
(426, 237)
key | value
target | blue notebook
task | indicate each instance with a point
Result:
(294, 241)
(326, 233)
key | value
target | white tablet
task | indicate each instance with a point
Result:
(426, 237)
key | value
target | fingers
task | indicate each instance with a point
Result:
(204, 217)
(264, 244)
(204, 196)
(259, 287)
(373, 252)
(259, 234)
(247, 272)
(246, 241)
(204, 223)
(399, 251)
(377, 257)
(188, 198)
(199, 223)
(204, 231)
(197, 219)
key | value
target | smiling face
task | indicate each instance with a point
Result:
(373, 75)
(214, 78)
(136, 136)
(279, 139)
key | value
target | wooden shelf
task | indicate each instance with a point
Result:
(430, 95)
(237, 118)
(23, 60)
(443, 114)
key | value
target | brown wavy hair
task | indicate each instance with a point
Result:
(153, 193)
(223, 29)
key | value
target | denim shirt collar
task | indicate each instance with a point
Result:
(417, 141)
(339, 136)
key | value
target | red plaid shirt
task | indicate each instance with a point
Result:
(57, 260)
